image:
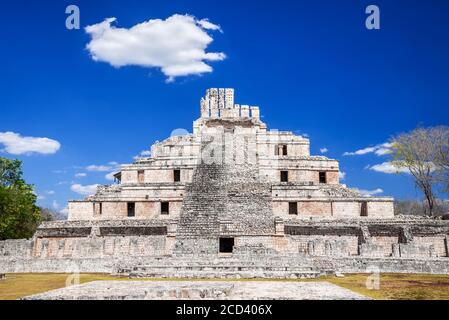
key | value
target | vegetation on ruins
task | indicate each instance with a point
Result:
(424, 152)
(19, 215)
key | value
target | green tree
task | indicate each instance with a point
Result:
(19, 215)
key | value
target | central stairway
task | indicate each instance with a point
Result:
(204, 203)
(223, 200)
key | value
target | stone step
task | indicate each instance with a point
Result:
(228, 275)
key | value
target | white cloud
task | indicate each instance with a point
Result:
(103, 168)
(179, 132)
(206, 24)
(384, 149)
(84, 190)
(100, 168)
(380, 150)
(143, 154)
(81, 175)
(387, 167)
(176, 45)
(110, 176)
(50, 192)
(342, 175)
(16, 144)
(370, 193)
(40, 197)
(146, 153)
(324, 150)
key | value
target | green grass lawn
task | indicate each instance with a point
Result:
(20, 285)
(392, 286)
(398, 286)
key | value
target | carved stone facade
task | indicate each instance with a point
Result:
(231, 139)
(232, 199)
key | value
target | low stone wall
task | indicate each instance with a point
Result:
(392, 265)
(15, 248)
(400, 238)
(165, 265)
(354, 245)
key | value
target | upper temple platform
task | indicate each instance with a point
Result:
(231, 140)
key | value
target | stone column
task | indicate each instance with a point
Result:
(255, 113)
(245, 112)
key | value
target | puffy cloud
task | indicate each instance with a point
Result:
(84, 190)
(176, 45)
(16, 144)
(50, 192)
(370, 193)
(81, 175)
(380, 150)
(324, 150)
(387, 167)
(342, 175)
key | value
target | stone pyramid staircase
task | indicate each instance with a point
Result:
(222, 200)
(204, 202)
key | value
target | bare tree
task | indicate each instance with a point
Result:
(441, 136)
(418, 208)
(423, 153)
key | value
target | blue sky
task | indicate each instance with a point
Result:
(311, 66)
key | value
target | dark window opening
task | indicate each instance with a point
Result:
(323, 177)
(284, 176)
(284, 150)
(177, 175)
(293, 208)
(226, 245)
(131, 209)
(281, 150)
(141, 176)
(165, 208)
(364, 209)
(98, 208)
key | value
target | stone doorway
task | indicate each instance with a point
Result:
(226, 245)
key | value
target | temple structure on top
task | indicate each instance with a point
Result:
(230, 141)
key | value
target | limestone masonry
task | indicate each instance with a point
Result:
(232, 199)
